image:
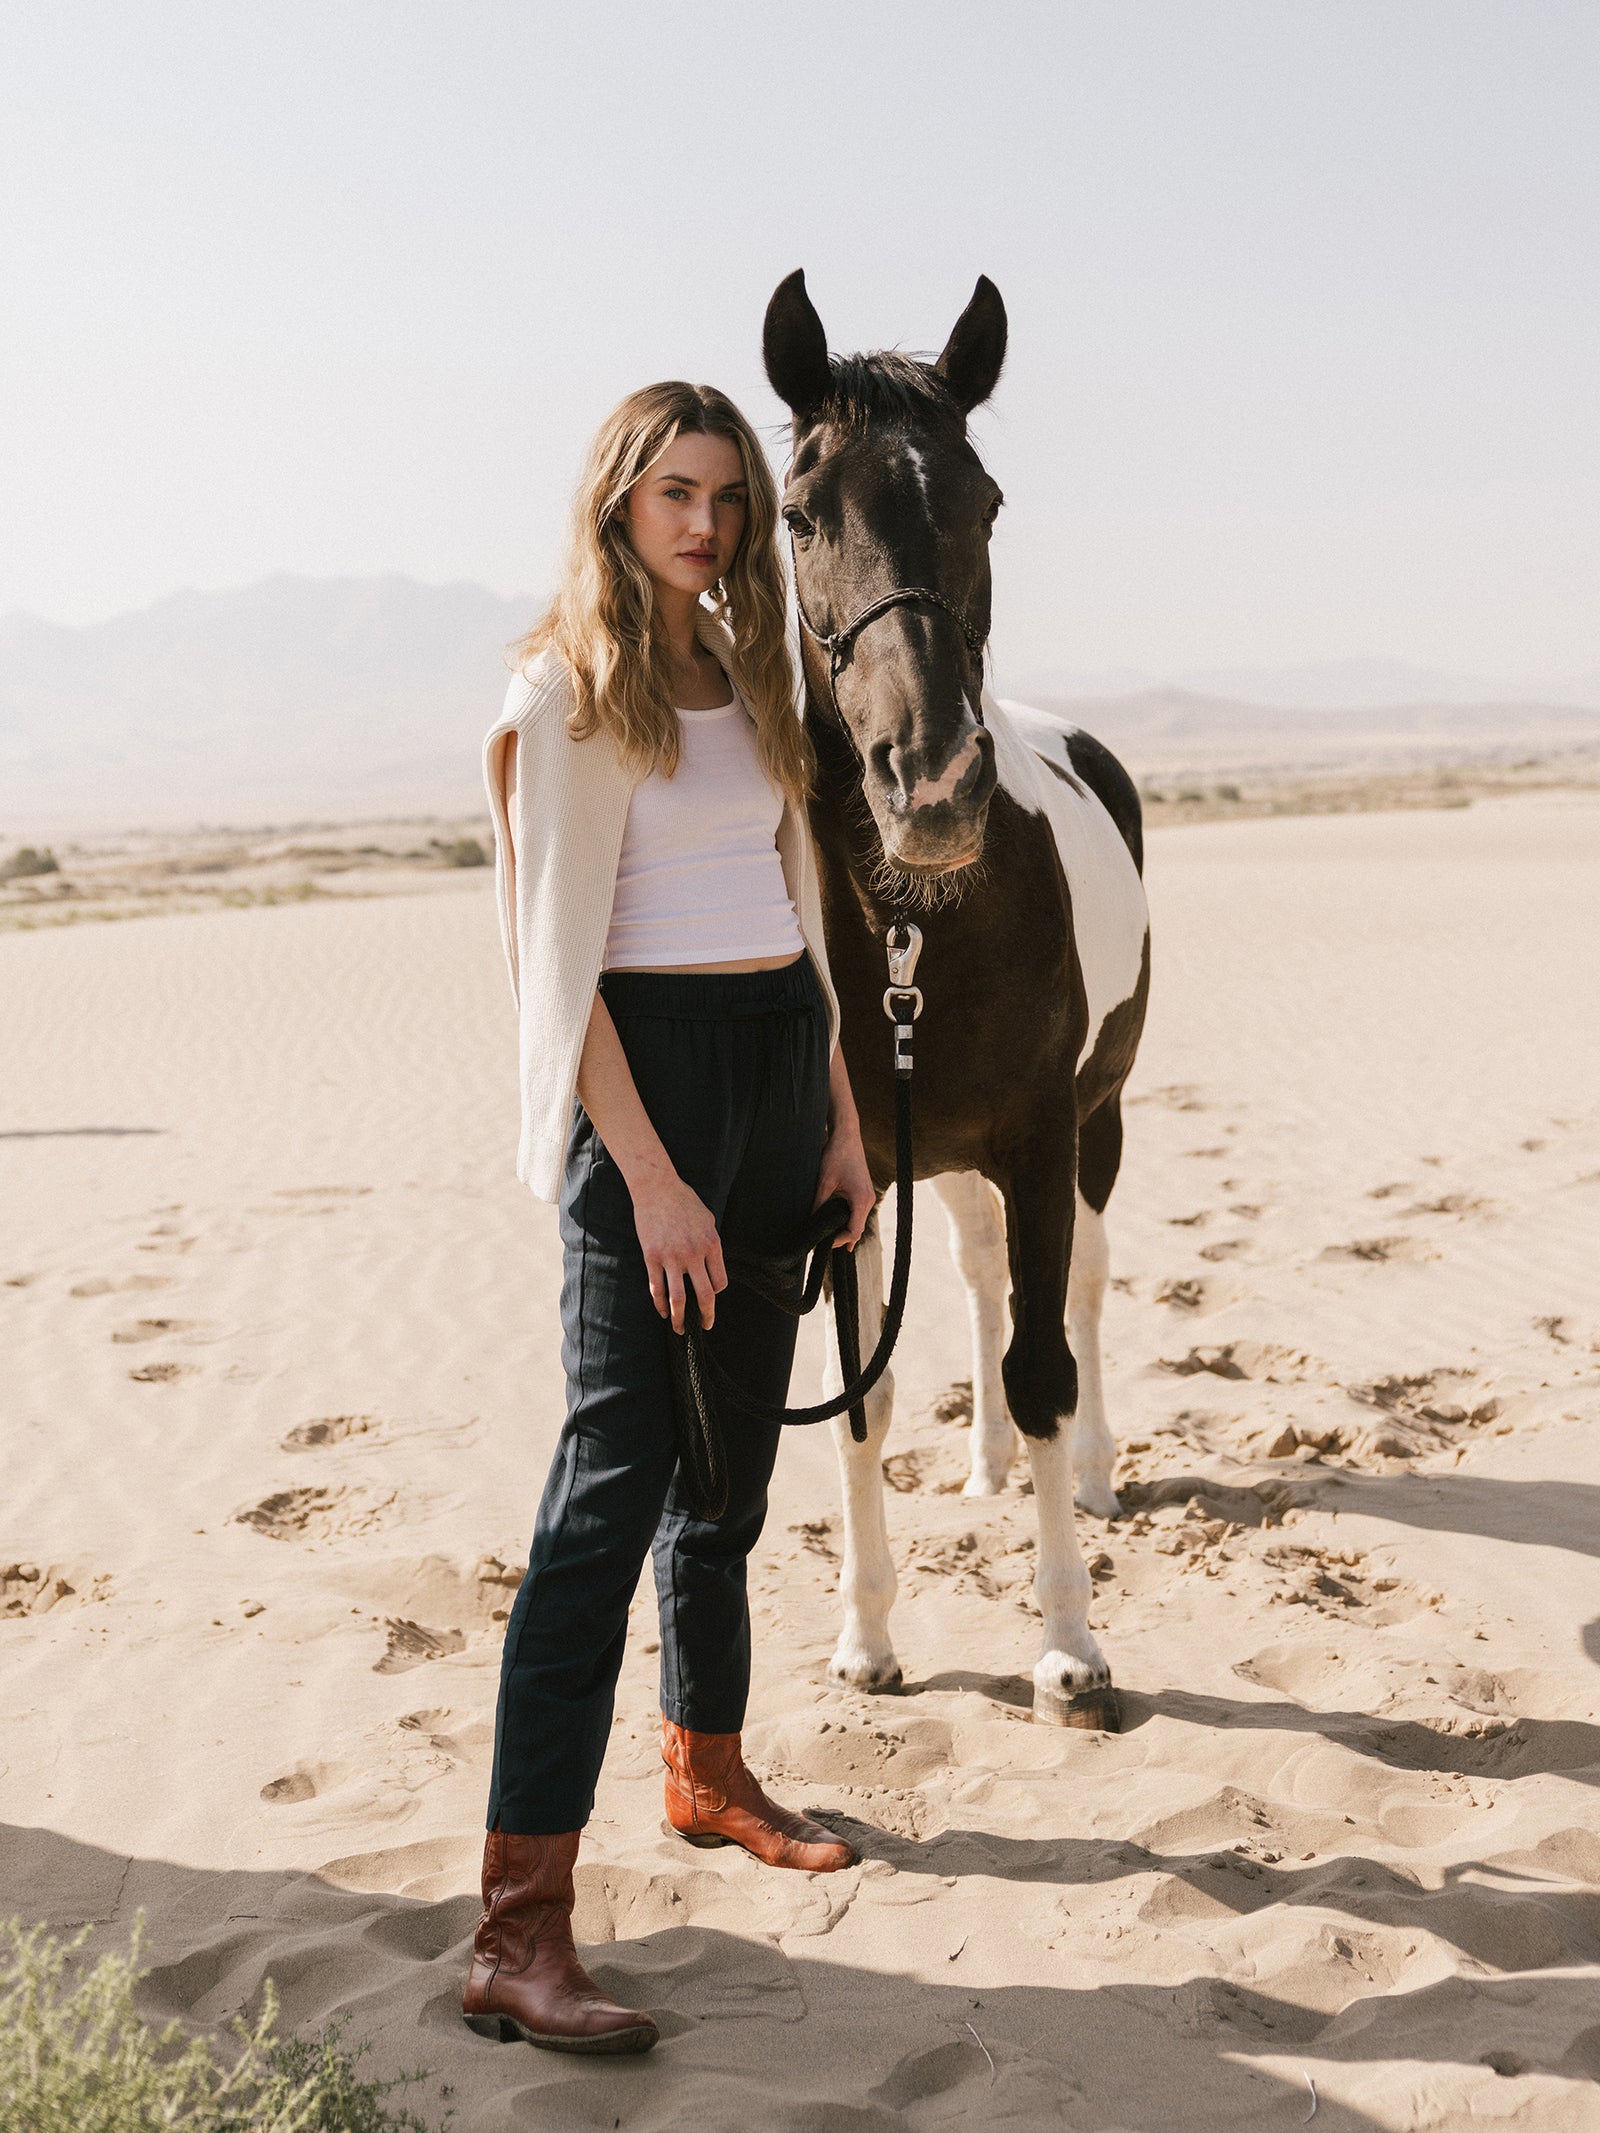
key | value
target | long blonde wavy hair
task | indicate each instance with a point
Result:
(602, 620)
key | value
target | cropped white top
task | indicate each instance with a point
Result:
(699, 879)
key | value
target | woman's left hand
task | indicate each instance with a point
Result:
(844, 1170)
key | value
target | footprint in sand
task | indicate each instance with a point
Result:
(290, 1789)
(1421, 1414)
(441, 1730)
(29, 1589)
(149, 1329)
(1261, 1360)
(410, 1644)
(815, 1536)
(312, 1199)
(317, 1514)
(840, 1751)
(1450, 1203)
(955, 1403)
(330, 1429)
(1185, 1295)
(1178, 1096)
(936, 1471)
(102, 1285)
(412, 1593)
(162, 1373)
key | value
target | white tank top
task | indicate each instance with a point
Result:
(700, 880)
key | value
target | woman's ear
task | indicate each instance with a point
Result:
(795, 348)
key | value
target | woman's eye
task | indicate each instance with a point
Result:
(677, 496)
(797, 522)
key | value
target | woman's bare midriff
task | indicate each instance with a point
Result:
(697, 970)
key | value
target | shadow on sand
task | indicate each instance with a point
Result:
(757, 2035)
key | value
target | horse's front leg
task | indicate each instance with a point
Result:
(864, 1656)
(978, 1246)
(1093, 1446)
(1071, 1681)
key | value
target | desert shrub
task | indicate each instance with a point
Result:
(460, 851)
(76, 2058)
(27, 860)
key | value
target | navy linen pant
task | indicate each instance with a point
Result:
(733, 1070)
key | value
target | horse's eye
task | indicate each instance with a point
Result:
(993, 511)
(797, 522)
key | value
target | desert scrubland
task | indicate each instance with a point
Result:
(282, 1376)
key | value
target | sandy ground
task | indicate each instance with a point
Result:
(281, 1379)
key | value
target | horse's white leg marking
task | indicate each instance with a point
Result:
(864, 1655)
(1094, 1448)
(1070, 1661)
(977, 1219)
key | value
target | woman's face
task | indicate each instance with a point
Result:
(685, 514)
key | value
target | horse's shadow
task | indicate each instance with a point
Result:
(1535, 1514)
(1523, 1747)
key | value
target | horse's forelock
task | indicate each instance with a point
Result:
(888, 387)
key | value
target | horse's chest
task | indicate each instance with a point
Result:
(1004, 1018)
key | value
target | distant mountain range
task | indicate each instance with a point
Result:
(300, 697)
(1331, 685)
(1173, 733)
(294, 694)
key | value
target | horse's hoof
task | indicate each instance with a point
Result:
(1099, 1502)
(1093, 1710)
(868, 1683)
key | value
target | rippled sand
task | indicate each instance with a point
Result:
(281, 1381)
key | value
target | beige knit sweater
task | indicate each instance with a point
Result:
(557, 883)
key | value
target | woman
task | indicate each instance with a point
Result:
(660, 913)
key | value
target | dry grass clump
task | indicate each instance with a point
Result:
(459, 851)
(76, 2058)
(26, 861)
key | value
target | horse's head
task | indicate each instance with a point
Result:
(886, 496)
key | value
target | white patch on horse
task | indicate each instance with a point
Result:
(928, 792)
(919, 467)
(1110, 918)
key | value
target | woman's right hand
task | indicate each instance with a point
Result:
(678, 1236)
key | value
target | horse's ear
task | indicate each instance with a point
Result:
(970, 364)
(795, 348)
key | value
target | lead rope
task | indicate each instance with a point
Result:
(700, 1383)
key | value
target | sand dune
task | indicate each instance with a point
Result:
(281, 1381)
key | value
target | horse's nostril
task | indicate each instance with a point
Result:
(988, 777)
(889, 763)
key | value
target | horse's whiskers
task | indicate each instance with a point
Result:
(924, 892)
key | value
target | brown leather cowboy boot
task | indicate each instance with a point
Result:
(713, 1799)
(526, 1980)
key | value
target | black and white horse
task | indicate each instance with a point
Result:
(1016, 841)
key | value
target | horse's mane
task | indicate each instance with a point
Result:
(887, 386)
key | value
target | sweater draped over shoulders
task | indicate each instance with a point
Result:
(556, 880)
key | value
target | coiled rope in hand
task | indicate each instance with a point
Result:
(702, 1389)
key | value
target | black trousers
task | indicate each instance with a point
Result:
(733, 1071)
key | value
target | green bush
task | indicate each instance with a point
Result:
(76, 2058)
(25, 860)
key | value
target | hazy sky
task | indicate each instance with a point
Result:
(1304, 294)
